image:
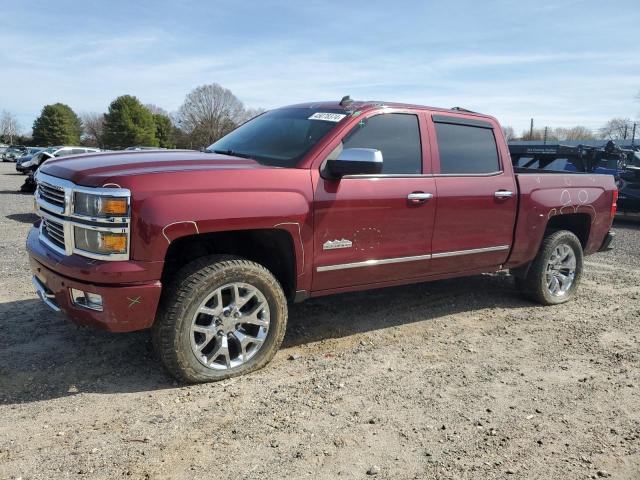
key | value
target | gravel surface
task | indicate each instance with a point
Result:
(452, 379)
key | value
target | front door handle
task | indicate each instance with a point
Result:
(419, 197)
(503, 194)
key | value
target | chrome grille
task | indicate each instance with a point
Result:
(54, 204)
(54, 232)
(51, 194)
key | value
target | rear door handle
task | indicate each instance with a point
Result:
(503, 194)
(419, 197)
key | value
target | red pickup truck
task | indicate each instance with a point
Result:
(206, 249)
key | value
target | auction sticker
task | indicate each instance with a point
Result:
(327, 117)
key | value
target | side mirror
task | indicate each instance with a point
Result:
(356, 161)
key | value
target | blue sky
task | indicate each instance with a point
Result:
(563, 62)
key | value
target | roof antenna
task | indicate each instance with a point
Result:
(346, 101)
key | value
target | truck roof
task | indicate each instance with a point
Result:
(364, 105)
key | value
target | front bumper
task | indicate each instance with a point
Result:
(126, 306)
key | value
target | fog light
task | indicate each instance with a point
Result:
(92, 301)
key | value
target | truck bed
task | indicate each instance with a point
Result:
(544, 195)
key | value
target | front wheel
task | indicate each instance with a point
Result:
(555, 273)
(219, 318)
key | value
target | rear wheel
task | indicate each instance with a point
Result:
(220, 317)
(555, 273)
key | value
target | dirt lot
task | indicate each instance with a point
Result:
(453, 379)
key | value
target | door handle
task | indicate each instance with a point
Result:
(419, 197)
(503, 194)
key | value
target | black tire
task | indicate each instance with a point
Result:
(534, 284)
(181, 299)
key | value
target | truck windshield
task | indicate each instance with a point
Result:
(279, 137)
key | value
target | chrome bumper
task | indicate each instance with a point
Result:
(47, 297)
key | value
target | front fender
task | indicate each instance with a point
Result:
(160, 218)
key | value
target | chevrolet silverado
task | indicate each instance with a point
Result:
(207, 249)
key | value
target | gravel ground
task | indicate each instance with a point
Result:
(452, 379)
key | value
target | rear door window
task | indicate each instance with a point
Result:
(466, 149)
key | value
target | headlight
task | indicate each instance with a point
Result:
(105, 243)
(100, 205)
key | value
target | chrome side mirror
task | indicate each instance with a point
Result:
(356, 161)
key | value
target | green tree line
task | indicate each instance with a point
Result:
(208, 113)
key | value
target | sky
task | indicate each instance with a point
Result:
(562, 62)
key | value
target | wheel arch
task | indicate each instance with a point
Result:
(577, 223)
(273, 248)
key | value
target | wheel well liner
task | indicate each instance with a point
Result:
(272, 248)
(577, 223)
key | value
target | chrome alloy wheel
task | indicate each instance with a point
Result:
(561, 270)
(230, 326)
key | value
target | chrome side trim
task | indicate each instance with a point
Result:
(471, 251)
(386, 261)
(390, 175)
(423, 175)
(373, 263)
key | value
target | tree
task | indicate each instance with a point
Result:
(577, 133)
(249, 113)
(9, 126)
(92, 129)
(57, 125)
(153, 108)
(616, 129)
(535, 134)
(164, 130)
(208, 113)
(129, 123)
(509, 133)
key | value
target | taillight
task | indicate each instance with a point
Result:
(614, 204)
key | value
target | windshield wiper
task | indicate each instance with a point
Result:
(231, 153)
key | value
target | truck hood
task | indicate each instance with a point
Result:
(94, 170)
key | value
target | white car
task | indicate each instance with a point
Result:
(53, 152)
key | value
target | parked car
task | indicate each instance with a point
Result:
(143, 148)
(3, 148)
(628, 183)
(206, 249)
(12, 152)
(31, 151)
(32, 164)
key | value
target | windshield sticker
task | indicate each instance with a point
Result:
(327, 117)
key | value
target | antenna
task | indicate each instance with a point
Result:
(346, 101)
(460, 109)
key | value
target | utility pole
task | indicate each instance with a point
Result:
(633, 135)
(531, 130)
(626, 127)
(545, 134)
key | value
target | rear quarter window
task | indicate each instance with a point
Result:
(466, 149)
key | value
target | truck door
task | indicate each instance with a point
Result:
(477, 194)
(376, 228)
